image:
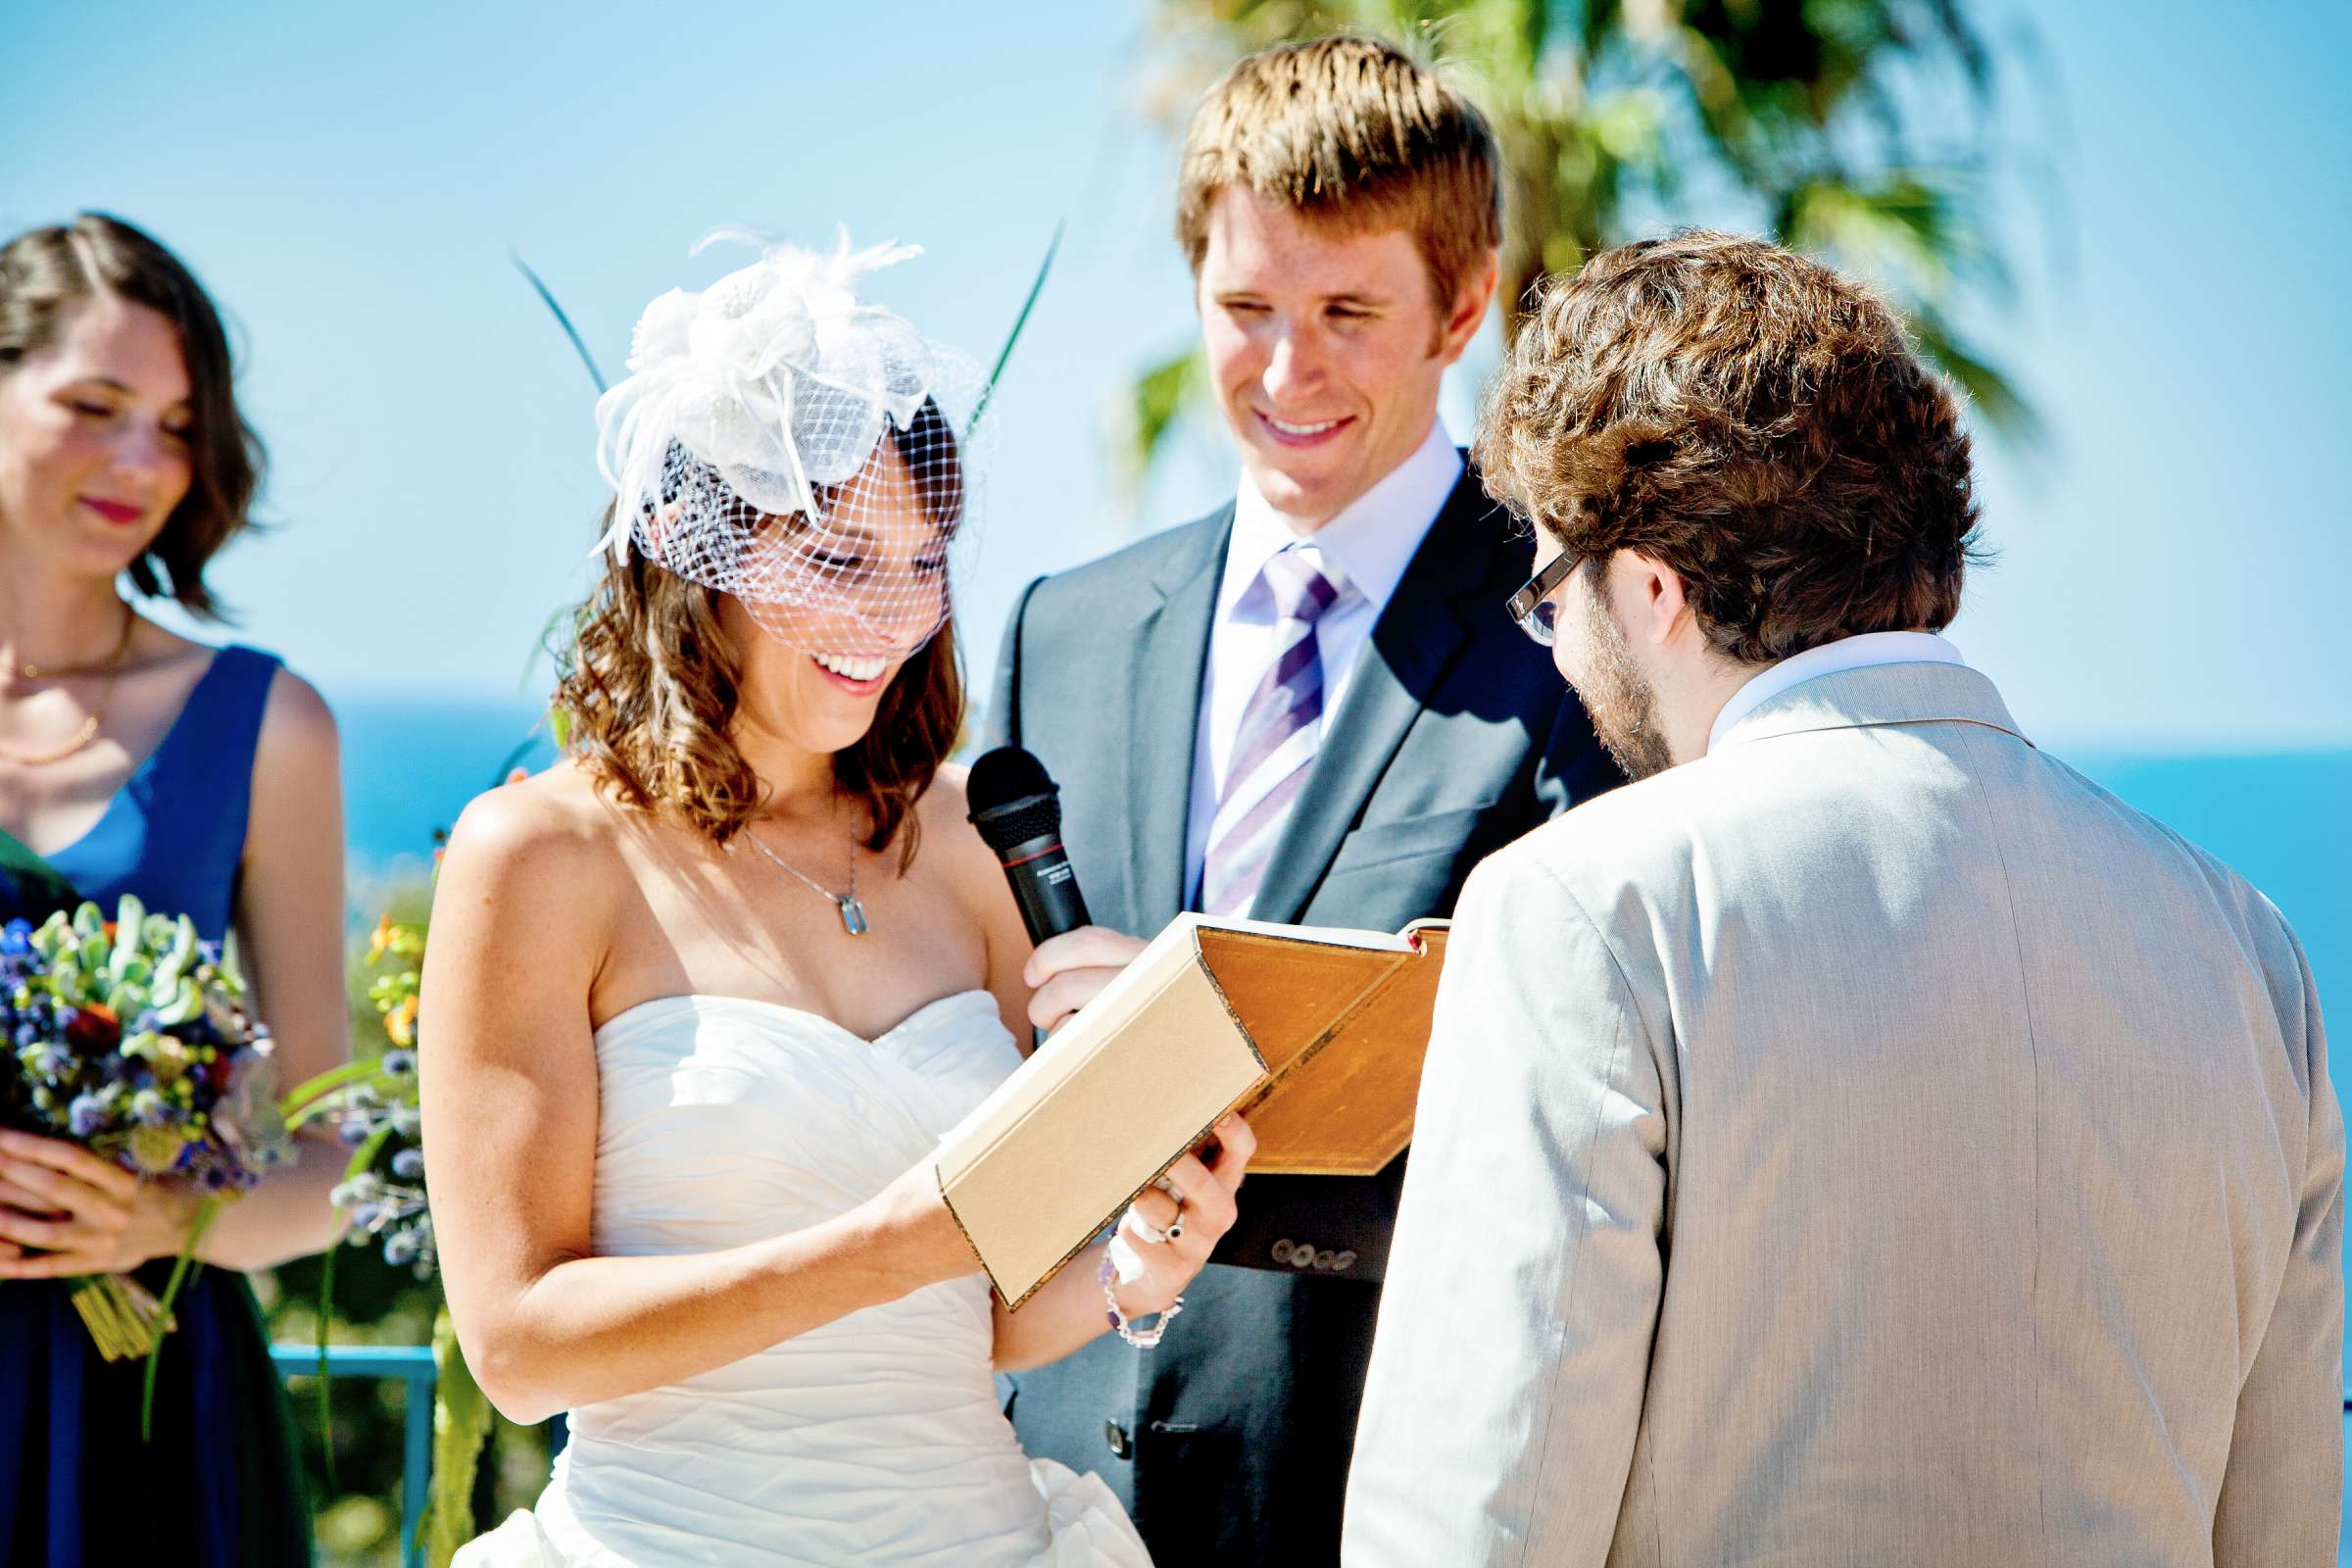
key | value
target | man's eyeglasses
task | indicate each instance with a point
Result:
(1532, 607)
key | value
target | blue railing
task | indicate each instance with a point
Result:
(413, 1364)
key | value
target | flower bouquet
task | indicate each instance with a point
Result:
(128, 1037)
(373, 1103)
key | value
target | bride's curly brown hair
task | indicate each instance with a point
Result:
(651, 688)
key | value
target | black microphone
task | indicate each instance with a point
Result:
(1017, 809)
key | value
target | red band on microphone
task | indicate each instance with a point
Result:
(1039, 856)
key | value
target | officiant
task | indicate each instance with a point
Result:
(1306, 707)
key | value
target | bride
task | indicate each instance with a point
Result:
(700, 1001)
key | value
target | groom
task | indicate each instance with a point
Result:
(1305, 706)
(1861, 1140)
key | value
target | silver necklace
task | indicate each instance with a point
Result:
(853, 912)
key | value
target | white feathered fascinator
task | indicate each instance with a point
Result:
(783, 441)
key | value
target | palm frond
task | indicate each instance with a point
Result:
(1998, 399)
(1613, 115)
(1157, 398)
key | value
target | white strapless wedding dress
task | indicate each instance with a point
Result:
(876, 1439)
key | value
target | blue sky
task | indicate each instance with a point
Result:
(351, 180)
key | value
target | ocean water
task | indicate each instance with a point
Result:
(410, 768)
(2284, 821)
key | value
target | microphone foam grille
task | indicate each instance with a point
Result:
(1003, 775)
(1008, 828)
(1003, 778)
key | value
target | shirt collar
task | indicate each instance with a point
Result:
(1370, 542)
(1846, 653)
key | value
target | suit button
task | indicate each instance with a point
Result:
(1282, 1251)
(1303, 1255)
(1324, 1258)
(1342, 1264)
(1116, 1435)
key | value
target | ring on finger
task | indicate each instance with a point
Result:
(1176, 1225)
(1145, 1231)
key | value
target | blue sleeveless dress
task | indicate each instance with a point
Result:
(220, 1486)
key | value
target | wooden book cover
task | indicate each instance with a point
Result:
(1316, 1035)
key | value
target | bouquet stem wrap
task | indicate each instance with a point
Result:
(124, 1318)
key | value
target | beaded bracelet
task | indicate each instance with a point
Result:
(1141, 1339)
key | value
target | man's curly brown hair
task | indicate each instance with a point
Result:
(1752, 421)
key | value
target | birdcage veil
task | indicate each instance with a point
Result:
(780, 440)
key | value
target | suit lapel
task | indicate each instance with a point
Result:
(1170, 649)
(1419, 632)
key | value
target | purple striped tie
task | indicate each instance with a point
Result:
(1275, 749)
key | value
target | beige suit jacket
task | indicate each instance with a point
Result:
(1869, 1144)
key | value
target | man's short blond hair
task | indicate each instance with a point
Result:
(1349, 133)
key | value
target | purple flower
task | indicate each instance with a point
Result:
(87, 1114)
(409, 1165)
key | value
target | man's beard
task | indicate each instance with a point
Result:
(1619, 698)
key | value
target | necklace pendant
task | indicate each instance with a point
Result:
(853, 915)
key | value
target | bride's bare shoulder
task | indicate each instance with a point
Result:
(948, 831)
(555, 829)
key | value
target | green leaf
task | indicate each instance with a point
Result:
(185, 1003)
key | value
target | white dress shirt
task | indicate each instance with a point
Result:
(1369, 542)
(1846, 653)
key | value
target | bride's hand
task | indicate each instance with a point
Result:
(1190, 1220)
(911, 1223)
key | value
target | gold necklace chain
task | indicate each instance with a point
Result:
(852, 912)
(95, 719)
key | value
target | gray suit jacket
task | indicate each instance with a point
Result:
(1230, 1441)
(1869, 1144)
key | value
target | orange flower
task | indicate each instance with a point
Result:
(401, 1022)
(381, 940)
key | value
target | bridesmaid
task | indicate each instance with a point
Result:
(204, 780)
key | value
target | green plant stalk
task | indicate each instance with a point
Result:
(462, 1422)
(326, 1410)
(305, 1097)
(206, 1213)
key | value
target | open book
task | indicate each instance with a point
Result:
(1315, 1035)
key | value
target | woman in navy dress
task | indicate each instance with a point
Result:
(205, 781)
